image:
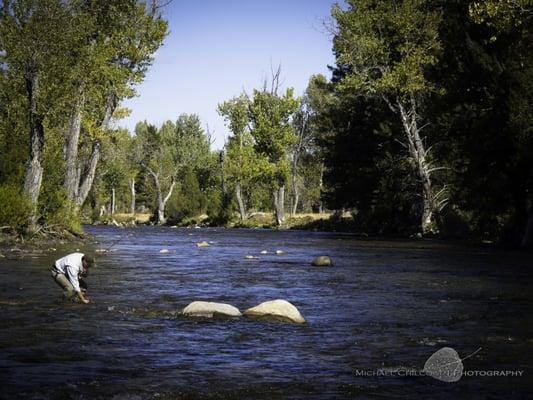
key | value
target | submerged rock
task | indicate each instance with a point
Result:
(276, 310)
(208, 309)
(322, 261)
(202, 244)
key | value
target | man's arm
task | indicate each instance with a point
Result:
(72, 275)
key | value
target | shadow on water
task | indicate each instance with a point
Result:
(383, 305)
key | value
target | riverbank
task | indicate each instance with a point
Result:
(15, 247)
(315, 222)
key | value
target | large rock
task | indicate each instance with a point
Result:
(276, 310)
(209, 309)
(322, 261)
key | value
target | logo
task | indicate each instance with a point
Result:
(444, 365)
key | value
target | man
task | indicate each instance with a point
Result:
(67, 271)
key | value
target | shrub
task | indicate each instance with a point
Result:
(57, 210)
(15, 208)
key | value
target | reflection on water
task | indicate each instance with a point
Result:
(383, 305)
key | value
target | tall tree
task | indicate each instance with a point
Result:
(37, 55)
(241, 160)
(270, 116)
(120, 38)
(386, 48)
(159, 161)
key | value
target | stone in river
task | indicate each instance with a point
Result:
(164, 251)
(202, 244)
(208, 309)
(322, 261)
(280, 252)
(276, 310)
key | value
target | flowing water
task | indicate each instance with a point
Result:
(383, 309)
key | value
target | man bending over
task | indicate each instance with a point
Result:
(67, 271)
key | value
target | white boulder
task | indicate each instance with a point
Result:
(277, 310)
(208, 309)
(322, 261)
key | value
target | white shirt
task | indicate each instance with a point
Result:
(71, 265)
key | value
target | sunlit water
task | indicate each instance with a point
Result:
(382, 305)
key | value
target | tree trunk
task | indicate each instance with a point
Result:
(34, 170)
(417, 150)
(72, 136)
(321, 184)
(132, 189)
(161, 202)
(240, 202)
(113, 201)
(279, 200)
(294, 185)
(90, 173)
(87, 181)
(296, 199)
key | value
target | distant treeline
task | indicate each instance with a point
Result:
(425, 126)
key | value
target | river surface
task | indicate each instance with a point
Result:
(381, 311)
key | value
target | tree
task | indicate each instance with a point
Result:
(386, 48)
(241, 161)
(120, 38)
(159, 161)
(37, 55)
(170, 152)
(270, 118)
(306, 162)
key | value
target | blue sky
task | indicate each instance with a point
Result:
(217, 49)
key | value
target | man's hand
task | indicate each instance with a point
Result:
(82, 297)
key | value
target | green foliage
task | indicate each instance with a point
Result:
(58, 211)
(187, 200)
(387, 45)
(15, 208)
(88, 53)
(273, 134)
(504, 15)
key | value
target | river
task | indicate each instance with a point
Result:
(381, 311)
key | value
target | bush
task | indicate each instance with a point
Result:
(15, 208)
(57, 210)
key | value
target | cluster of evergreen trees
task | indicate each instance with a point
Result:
(424, 127)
